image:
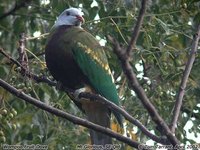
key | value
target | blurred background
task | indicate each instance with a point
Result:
(159, 60)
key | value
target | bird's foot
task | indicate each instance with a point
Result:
(78, 92)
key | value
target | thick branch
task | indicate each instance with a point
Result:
(134, 84)
(137, 27)
(184, 80)
(126, 115)
(91, 96)
(67, 116)
(15, 8)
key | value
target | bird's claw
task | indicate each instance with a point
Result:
(78, 92)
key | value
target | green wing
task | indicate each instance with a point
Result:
(92, 60)
(97, 71)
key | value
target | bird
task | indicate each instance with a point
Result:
(75, 59)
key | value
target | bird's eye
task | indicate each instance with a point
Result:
(67, 13)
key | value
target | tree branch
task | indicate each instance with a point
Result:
(137, 27)
(184, 80)
(26, 73)
(126, 115)
(23, 58)
(15, 8)
(65, 115)
(134, 84)
(87, 95)
(90, 96)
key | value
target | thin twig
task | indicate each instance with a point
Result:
(28, 74)
(137, 27)
(23, 58)
(184, 80)
(66, 115)
(36, 55)
(119, 31)
(37, 37)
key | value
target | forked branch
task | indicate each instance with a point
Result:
(186, 73)
(124, 56)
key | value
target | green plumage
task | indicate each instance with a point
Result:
(75, 58)
(88, 55)
(99, 77)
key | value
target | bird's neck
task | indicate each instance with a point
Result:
(64, 26)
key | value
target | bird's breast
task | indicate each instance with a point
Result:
(60, 61)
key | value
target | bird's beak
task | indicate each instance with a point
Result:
(80, 18)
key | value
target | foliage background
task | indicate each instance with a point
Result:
(159, 60)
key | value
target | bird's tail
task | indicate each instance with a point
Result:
(98, 114)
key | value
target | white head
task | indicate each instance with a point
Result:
(70, 16)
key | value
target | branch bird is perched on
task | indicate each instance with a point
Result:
(75, 59)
